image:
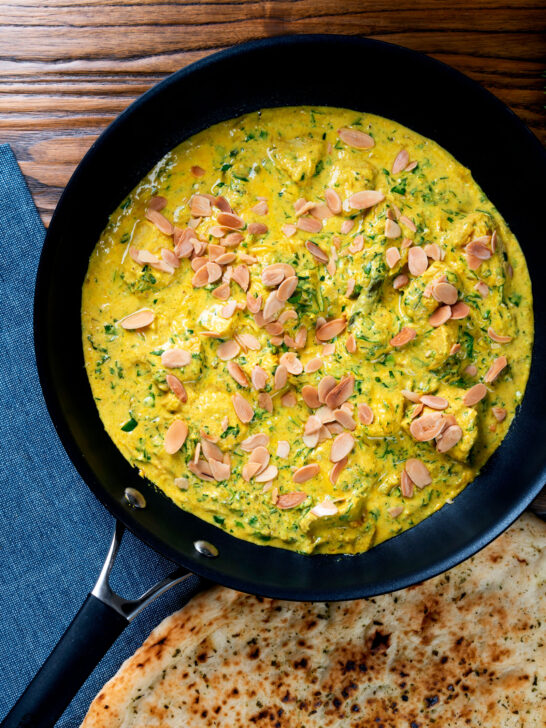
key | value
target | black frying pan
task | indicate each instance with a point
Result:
(506, 160)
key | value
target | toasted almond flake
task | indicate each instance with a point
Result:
(200, 206)
(312, 425)
(321, 212)
(418, 472)
(445, 293)
(241, 276)
(460, 310)
(344, 419)
(454, 349)
(197, 171)
(482, 288)
(199, 262)
(351, 283)
(310, 396)
(257, 228)
(276, 340)
(347, 226)
(355, 138)
(396, 511)
(311, 440)
(325, 414)
(403, 337)
(175, 358)
(357, 245)
(408, 223)
(365, 413)
(291, 500)
(335, 472)
(365, 199)
(499, 338)
(170, 258)
(249, 341)
(260, 439)
(313, 365)
(228, 350)
(210, 450)
(280, 377)
(400, 281)
(440, 316)
(495, 369)
(499, 413)
(230, 220)
(341, 446)
(392, 256)
(288, 229)
(287, 288)
(232, 239)
(226, 258)
(401, 161)
(324, 509)
(412, 396)
(228, 310)
(220, 471)
(309, 224)
(449, 438)
(316, 252)
(475, 394)
(222, 292)
(253, 304)
(242, 408)
(274, 274)
(427, 427)
(201, 278)
(340, 393)
(222, 204)
(433, 251)
(201, 469)
(268, 474)
(350, 344)
(176, 387)
(471, 370)
(406, 485)
(473, 262)
(157, 203)
(434, 402)
(283, 449)
(215, 251)
(260, 455)
(237, 373)
(249, 470)
(325, 386)
(301, 337)
(292, 363)
(137, 320)
(160, 221)
(333, 201)
(331, 329)
(305, 473)
(411, 166)
(416, 411)
(175, 437)
(417, 261)
(392, 229)
(265, 401)
(272, 307)
(260, 208)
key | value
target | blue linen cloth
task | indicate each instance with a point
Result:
(54, 534)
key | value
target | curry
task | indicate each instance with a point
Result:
(309, 327)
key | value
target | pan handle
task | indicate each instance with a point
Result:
(101, 619)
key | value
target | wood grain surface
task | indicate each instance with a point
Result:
(69, 67)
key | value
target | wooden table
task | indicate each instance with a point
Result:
(69, 67)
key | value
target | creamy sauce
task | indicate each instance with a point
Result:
(426, 289)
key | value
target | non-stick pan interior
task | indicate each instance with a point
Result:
(506, 160)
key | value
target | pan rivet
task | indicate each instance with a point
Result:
(206, 549)
(134, 498)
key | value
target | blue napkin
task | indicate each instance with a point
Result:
(54, 534)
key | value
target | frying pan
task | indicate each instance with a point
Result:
(369, 76)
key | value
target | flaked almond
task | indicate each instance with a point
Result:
(291, 500)
(471, 370)
(401, 161)
(289, 229)
(175, 437)
(395, 511)
(197, 171)
(365, 413)
(170, 258)
(249, 470)
(316, 252)
(482, 288)
(475, 394)
(228, 350)
(270, 473)
(392, 229)
(174, 358)
(408, 223)
(241, 276)
(230, 220)
(157, 203)
(253, 304)
(440, 316)
(403, 337)
(325, 414)
(287, 288)
(454, 349)
(260, 455)
(258, 377)
(222, 204)
(237, 373)
(220, 471)
(242, 408)
(355, 138)
(313, 365)
(301, 337)
(200, 206)
(137, 320)
(434, 402)
(215, 251)
(450, 437)
(312, 425)
(272, 307)
(499, 413)
(335, 472)
(228, 310)
(321, 212)
(311, 440)
(198, 262)
(325, 386)
(274, 329)
(160, 221)
(427, 427)
(260, 439)
(232, 239)
(333, 200)
(400, 281)
(418, 472)
(472, 262)
(257, 228)
(406, 485)
(340, 393)
(365, 199)
(222, 291)
(305, 473)
(460, 310)
(344, 418)
(495, 369)
(356, 246)
(350, 344)
(289, 399)
(283, 449)
(392, 256)
(226, 258)
(280, 377)
(416, 411)
(347, 226)
(292, 363)
(445, 293)
(211, 451)
(433, 251)
(249, 341)
(324, 508)
(478, 248)
(201, 469)
(176, 387)
(310, 396)
(309, 224)
(331, 329)
(412, 396)
(201, 278)
(260, 208)
(341, 446)
(499, 338)
(417, 261)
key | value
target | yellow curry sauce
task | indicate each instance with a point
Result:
(332, 327)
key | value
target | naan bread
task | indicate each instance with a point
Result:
(463, 649)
